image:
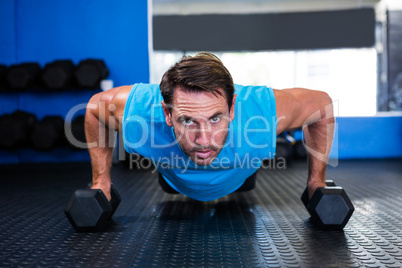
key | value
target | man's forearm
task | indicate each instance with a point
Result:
(98, 137)
(318, 137)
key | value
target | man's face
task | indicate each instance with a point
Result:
(200, 122)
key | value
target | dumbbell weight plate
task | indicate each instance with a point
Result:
(3, 72)
(115, 201)
(48, 133)
(88, 209)
(330, 207)
(77, 127)
(90, 72)
(23, 76)
(15, 129)
(58, 75)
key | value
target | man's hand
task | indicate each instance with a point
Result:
(105, 187)
(313, 185)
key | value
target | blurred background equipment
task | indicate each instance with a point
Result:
(15, 129)
(59, 74)
(78, 130)
(48, 133)
(91, 72)
(23, 76)
(3, 72)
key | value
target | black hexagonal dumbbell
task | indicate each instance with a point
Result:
(48, 133)
(23, 76)
(15, 129)
(89, 209)
(3, 72)
(77, 127)
(329, 207)
(90, 72)
(58, 74)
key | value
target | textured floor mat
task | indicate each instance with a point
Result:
(267, 227)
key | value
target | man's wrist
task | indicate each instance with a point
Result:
(316, 180)
(313, 184)
(103, 183)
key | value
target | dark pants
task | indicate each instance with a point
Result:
(249, 184)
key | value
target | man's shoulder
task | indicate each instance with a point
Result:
(257, 93)
(145, 86)
(144, 100)
(141, 91)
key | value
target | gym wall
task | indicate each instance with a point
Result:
(43, 31)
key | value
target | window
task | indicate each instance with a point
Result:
(349, 76)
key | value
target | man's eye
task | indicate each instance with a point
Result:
(187, 121)
(215, 119)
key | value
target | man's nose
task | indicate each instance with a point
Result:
(203, 136)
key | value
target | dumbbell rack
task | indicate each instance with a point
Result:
(43, 103)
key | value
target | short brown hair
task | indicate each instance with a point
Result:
(204, 72)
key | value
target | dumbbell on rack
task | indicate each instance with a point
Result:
(77, 128)
(89, 209)
(58, 74)
(23, 76)
(15, 129)
(90, 72)
(48, 133)
(3, 72)
(330, 208)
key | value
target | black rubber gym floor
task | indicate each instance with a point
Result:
(267, 227)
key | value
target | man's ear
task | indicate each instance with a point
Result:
(232, 109)
(168, 115)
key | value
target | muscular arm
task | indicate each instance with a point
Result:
(103, 117)
(313, 111)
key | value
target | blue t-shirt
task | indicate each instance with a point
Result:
(251, 138)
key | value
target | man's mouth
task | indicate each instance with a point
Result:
(203, 153)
